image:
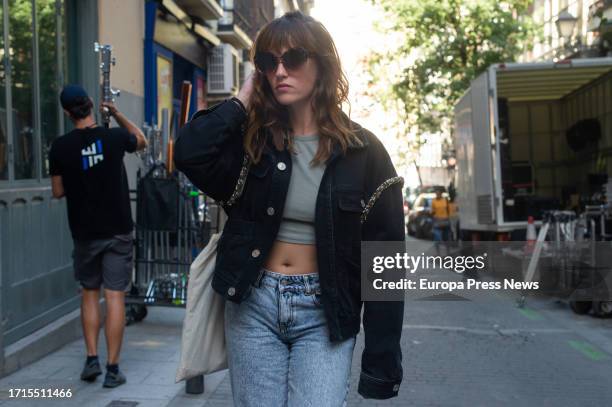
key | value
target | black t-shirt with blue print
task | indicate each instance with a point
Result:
(90, 162)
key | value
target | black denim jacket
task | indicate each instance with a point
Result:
(209, 150)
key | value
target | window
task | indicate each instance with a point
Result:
(164, 87)
(22, 79)
(3, 135)
(51, 64)
(36, 56)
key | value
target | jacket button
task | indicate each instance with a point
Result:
(231, 291)
(255, 253)
(270, 211)
(396, 387)
(281, 166)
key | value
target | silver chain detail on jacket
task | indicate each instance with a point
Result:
(376, 194)
(246, 164)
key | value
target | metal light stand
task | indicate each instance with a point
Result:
(108, 93)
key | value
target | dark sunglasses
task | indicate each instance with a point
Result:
(294, 58)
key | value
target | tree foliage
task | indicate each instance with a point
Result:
(444, 45)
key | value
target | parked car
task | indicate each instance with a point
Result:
(418, 219)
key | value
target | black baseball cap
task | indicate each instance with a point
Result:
(72, 95)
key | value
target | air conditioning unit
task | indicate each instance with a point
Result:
(223, 70)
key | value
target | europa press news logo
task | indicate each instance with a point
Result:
(92, 155)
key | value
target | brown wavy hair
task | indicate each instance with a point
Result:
(268, 118)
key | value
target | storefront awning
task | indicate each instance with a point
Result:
(175, 31)
(196, 28)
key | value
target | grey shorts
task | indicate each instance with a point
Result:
(104, 261)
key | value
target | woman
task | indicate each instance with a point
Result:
(288, 260)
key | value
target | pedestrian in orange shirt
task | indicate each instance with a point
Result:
(440, 210)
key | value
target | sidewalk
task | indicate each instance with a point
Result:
(457, 353)
(149, 359)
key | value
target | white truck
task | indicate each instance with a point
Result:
(531, 137)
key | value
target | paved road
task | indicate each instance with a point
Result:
(489, 352)
(459, 353)
(456, 353)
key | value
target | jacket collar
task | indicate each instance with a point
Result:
(336, 149)
(361, 135)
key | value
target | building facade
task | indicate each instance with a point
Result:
(44, 44)
(590, 33)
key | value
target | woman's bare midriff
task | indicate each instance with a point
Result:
(292, 258)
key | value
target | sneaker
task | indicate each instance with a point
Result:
(91, 371)
(113, 379)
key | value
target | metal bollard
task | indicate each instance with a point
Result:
(195, 385)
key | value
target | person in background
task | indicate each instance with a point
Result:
(452, 209)
(86, 167)
(454, 219)
(441, 218)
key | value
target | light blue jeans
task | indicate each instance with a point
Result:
(279, 352)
